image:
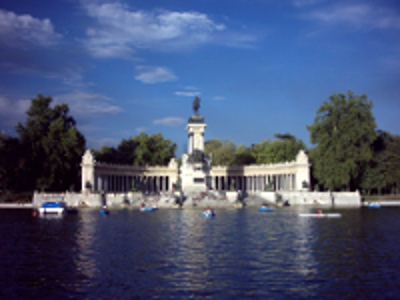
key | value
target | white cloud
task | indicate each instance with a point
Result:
(219, 98)
(16, 28)
(12, 112)
(85, 106)
(302, 3)
(119, 31)
(358, 16)
(153, 75)
(190, 87)
(188, 94)
(140, 129)
(169, 121)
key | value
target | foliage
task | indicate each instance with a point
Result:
(283, 149)
(222, 153)
(225, 153)
(140, 150)
(383, 171)
(243, 156)
(343, 131)
(53, 147)
(12, 162)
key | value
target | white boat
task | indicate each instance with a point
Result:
(52, 208)
(321, 215)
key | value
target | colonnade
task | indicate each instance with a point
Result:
(253, 183)
(123, 183)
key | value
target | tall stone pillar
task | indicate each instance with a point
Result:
(195, 166)
(88, 172)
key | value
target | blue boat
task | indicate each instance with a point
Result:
(208, 214)
(56, 208)
(265, 209)
(148, 209)
(374, 205)
(104, 212)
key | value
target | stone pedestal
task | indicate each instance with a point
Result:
(194, 175)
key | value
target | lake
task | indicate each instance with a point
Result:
(178, 254)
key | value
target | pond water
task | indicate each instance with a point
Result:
(178, 254)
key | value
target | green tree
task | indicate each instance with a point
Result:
(222, 152)
(140, 150)
(243, 156)
(383, 171)
(283, 149)
(107, 155)
(54, 147)
(343, 132)
(12, 162)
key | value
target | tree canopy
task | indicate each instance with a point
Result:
(140, 150)
(343, 132)
(52, 147)
(225, 153)
(285, 148)
(383, 171)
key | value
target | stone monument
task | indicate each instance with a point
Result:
(196, 166)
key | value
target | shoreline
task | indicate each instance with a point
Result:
(16, 205)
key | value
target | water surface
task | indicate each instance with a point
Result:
(178, 254)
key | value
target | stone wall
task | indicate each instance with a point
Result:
(347, 198)
(315, 198)
(87, 199)
(300, 198)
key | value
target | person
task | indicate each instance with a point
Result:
(319, 212)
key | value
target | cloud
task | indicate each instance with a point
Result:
(188, 94)
(169, 121)
(85, 106)
(119, 31)
(190, 87)
(219, 98)
(12, 112)
(302, 3)
(357, 16)
(153, 75)
(15, 29)
(140, 129)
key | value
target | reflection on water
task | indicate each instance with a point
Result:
(179, 254)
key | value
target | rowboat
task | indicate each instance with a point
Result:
(208, 213)
(320, 215)
(52, 208)
(265, 209)
(148, 209)
(104, 212)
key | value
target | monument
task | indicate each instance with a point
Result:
(196, 166)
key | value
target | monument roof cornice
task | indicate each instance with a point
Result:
(196, 119)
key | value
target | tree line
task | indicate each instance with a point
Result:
(348, 152)
(225, 153)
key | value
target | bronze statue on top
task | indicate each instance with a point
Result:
(196, 104)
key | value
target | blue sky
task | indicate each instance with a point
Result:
(259, 67)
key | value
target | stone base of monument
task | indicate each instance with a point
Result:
(211, 199)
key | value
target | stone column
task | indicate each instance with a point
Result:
(88, 171)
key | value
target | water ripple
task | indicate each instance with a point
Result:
(177, 254)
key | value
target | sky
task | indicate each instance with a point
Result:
(260, 67)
